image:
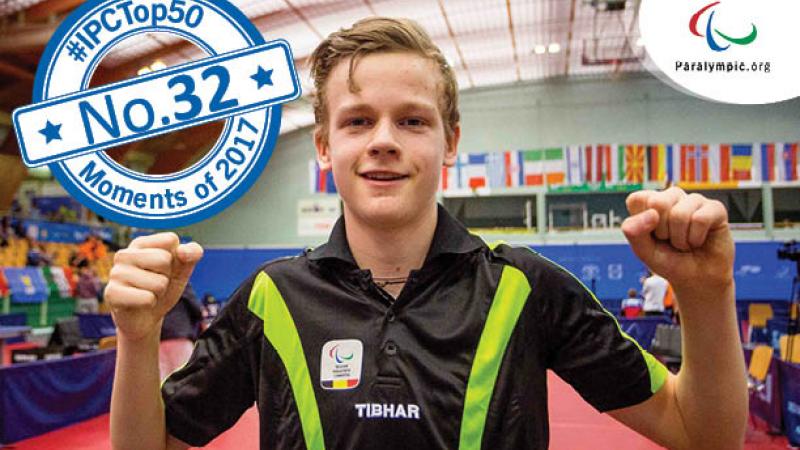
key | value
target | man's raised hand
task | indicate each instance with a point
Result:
(146, 281)
(682, 237)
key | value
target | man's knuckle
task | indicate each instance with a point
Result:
(161, 284)
(679, 215)
(694, 196)
(150, 299)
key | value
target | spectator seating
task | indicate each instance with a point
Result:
(759, 366)
(758, 315)
(790, 344)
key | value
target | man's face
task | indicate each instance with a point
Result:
(386, 143)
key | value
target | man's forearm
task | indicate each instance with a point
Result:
(137, 411)
(712, 390)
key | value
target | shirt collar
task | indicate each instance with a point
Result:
(450, 237)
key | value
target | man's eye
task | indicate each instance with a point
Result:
(357, 122)
(412, 122)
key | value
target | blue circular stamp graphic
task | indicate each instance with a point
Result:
(243, 81)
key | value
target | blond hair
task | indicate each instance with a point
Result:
(380, 35)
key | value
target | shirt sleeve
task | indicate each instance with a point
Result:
(587, 348)
(209, 394)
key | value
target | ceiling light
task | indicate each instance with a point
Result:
(554, 48)
(539, 49)
(144, 70)
(157, 65)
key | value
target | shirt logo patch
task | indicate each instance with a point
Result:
(340, 365)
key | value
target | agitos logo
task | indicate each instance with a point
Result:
(334, 354)
(712, 43)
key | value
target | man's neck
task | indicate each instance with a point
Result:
(391, 252)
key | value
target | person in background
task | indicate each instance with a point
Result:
(7, 232)
(654, 288)
(178, 332)
(210, 309)
(87, 291)
(631, 306)
(669, 302)
(92, 248)
(37, 254)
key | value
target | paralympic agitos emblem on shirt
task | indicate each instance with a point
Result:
(340, 364)
(244, 80)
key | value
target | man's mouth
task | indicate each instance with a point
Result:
(383, 176)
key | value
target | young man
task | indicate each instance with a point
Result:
(405, 331)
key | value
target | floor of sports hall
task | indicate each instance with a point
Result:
(573, 425)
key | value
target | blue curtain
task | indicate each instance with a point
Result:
(43, 396)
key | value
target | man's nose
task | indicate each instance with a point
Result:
(384, 139)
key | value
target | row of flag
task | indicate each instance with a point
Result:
(724, 165)
(35, 284)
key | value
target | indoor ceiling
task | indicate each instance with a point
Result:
(488, 42)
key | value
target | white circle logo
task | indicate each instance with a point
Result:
(732, 51)
(244, 81)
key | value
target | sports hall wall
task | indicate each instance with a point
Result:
(640, 109)
(263, 224)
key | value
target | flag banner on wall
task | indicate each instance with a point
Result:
(575, 176)
(320, 181)
(788, 162)
(60, 280)
(634, 164)
(741, 162)
(573, 168)
(3, 284)
(27, 285)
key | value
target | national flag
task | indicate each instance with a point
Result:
(533, 167)
(634, 163)
(554, 165)
(599, 163)
(695, 164)
(3, 284)
(741, 162)
(714, 163)
(656, 163)
(575, 165)
(476, 170)
(755, 171)
(461, 171)
(322, 180)
(496, 169)
(674, 160)
(768, 161)
(725, 168)
(27, 285)
(787, 166)
(513, 168)
(70, 278)
(589, 174)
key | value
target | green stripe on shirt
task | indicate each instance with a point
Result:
(509, 299)
(268, 304)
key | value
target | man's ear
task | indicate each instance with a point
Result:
(451, 152)
(323, 150)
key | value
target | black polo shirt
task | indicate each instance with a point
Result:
(458, 360)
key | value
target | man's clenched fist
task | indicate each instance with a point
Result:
(683, 237)
(147, 280)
